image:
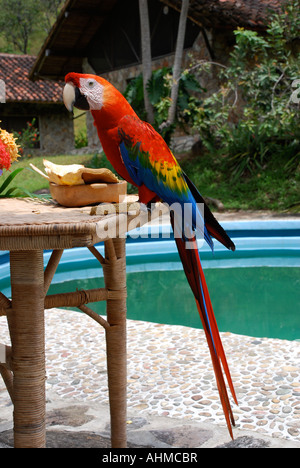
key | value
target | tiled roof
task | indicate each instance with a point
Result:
(230, 13)
(80, 21)
(14, 70)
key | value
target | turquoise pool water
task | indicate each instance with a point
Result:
(259, 301)
(255, 291)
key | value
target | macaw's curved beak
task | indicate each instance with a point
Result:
(73, 98)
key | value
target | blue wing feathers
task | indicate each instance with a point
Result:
(190, 216)
(133, 171)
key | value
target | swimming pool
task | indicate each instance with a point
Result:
(255, 290)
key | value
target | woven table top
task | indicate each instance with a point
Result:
(18, 213)
(22, 219)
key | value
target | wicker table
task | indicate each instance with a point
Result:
(27, 228)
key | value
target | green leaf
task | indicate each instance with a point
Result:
(9, 179)
(190, 83)
(43, 196)
(156, 88)
(9, 192)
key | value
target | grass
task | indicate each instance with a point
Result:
(269, 189)
(30, 180)
(79, 121)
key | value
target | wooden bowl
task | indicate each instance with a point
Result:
(89, 194)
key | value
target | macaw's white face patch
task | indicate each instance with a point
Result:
(93, 91)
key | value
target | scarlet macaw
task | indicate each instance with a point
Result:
(141, 156)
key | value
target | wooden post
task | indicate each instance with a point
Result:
(27, 331)
(115, 280)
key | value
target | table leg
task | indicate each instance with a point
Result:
(27, 331)
(115, 279)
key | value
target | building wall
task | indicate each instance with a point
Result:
(56, 133)
(55, 125)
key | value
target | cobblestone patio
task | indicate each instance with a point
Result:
(170, 373)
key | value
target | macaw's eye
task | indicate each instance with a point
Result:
(91, 84)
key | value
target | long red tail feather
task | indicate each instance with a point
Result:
(192, 266)
(214, 326)
(219, 377)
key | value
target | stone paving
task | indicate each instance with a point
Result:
(170, 373)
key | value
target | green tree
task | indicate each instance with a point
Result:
(18, 20)
(21, 19)
(50, 10)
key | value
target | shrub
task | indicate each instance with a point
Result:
(81, 139)
(28, 138)
(159, 91)
(252, 118)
